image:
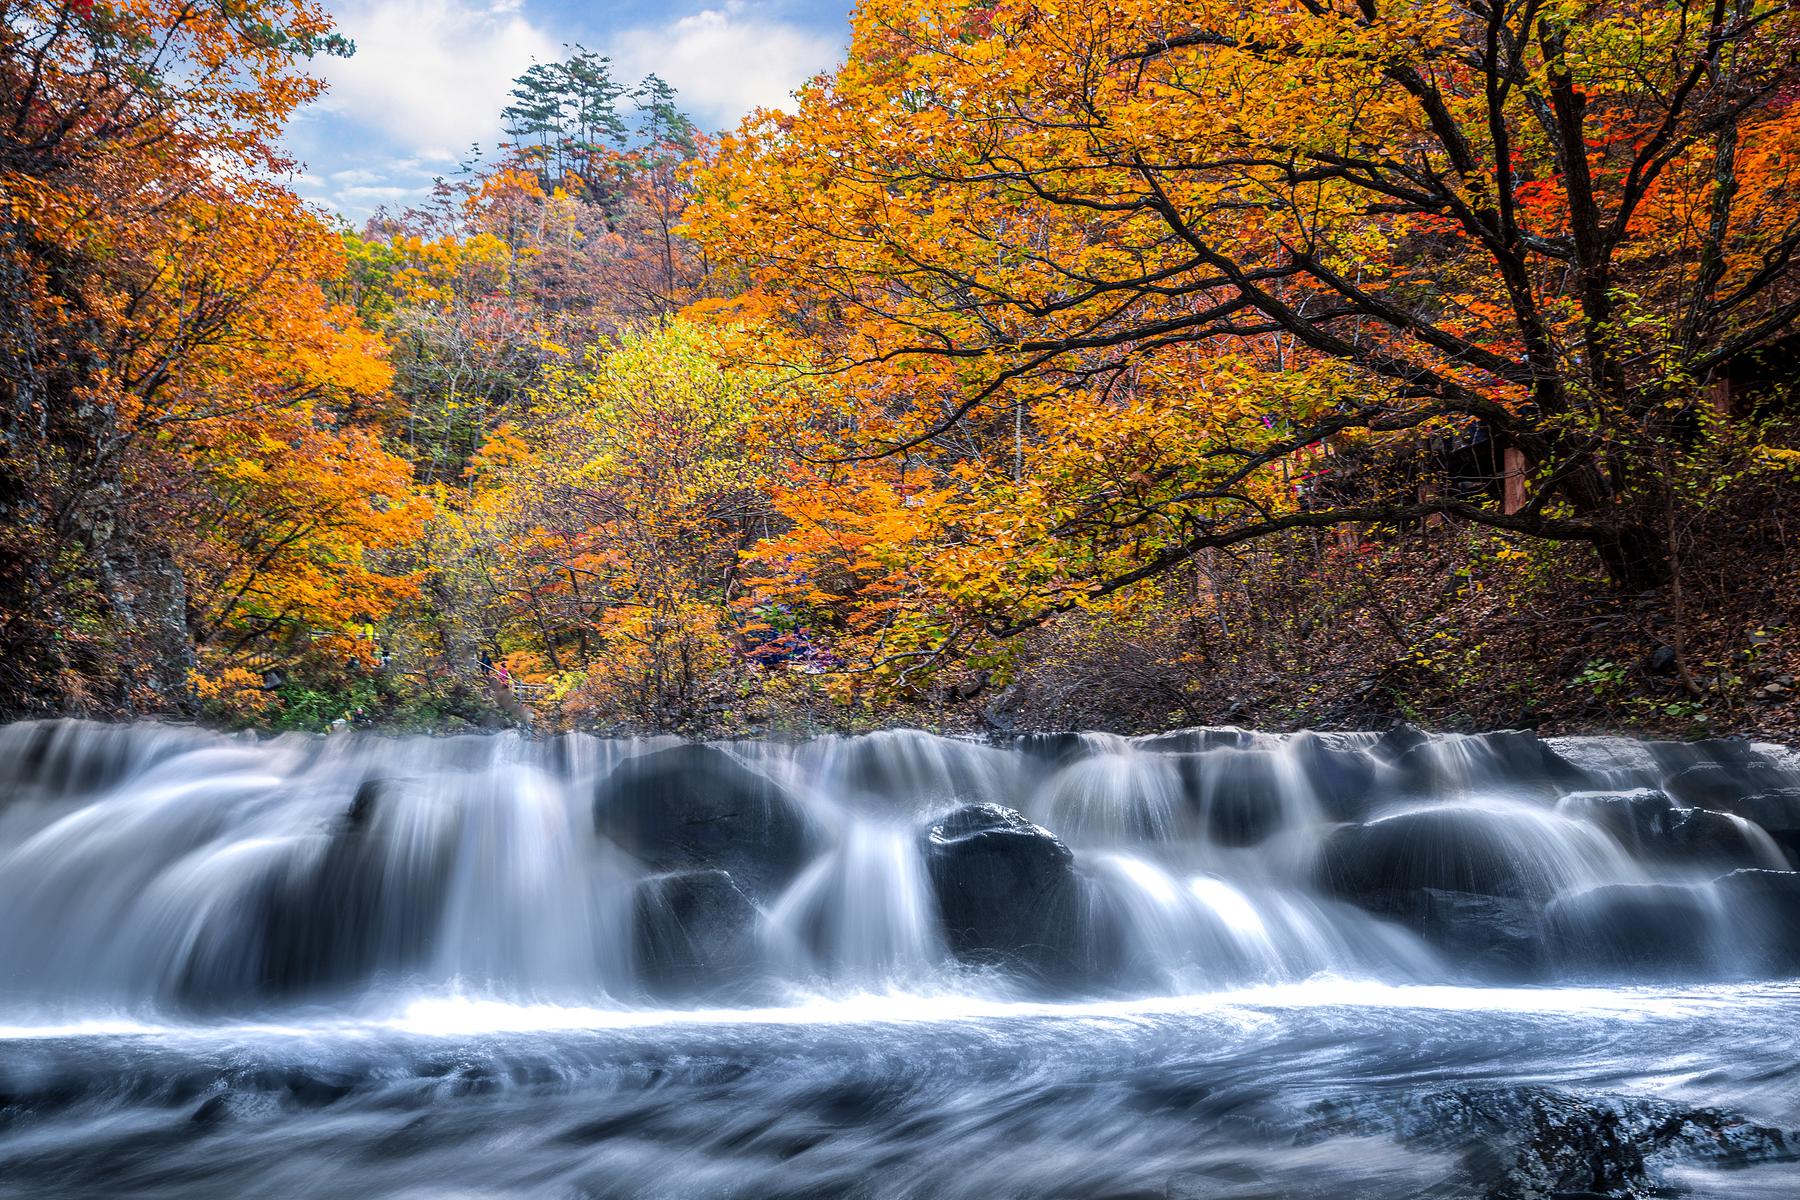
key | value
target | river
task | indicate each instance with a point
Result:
(1215, 964)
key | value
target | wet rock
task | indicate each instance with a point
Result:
(354, 910)
(1495, 939)
(1698, 835)
(1505, 758)
(1543, 1143)
(1006, 890)
(1449, 849)
(1765, 906)
(1672, 757)
(1718, 785)
(908, 764)
(315, 1088)
(1651, 825)
(1521, 754)
(1237, 794)
(1484, 939)
(1397, 741)
(692, 931)
(1341, 771)
(1472, 882)
(1119, 798)
(212, 1111)
(1776, 812)
(1638, 931)
(1055, 749)
(363, 805)
(1635, 818)
(695, 806)
(1244, 796)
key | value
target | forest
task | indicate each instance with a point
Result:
(1118, 366)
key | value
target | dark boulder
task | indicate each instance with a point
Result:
(693, 932)
(1397, 741)
(363, 900)
(1765, 905)
(1495, 939)
(1717, 840)
(1471, 882)
(1506, 759)
(1006, 890)
(1451, 849)
(1642, 932)
(1636, 819)
(1718, 785)
(1341, 770)
(695, 806)
(1521, 754)
(1651, 825)
(1537, 1143)
(1054, 749)
(1237, 794)
(1776, 812)
(366, 802)
(1729, 752)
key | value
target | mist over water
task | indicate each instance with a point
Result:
(1212, 963)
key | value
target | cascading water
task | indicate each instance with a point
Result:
(364, 891)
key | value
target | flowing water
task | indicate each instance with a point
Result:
(1211, 964)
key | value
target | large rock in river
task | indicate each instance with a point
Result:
(1483, 851)
(1721, 784)
(1765, 905)
(693, 931)
(1641, 932)
(1776, 811)
(1340, 768)
(1508, 760)
(1006, 890)
(1636, 818)
(1651, 825)
(1471, 881)
(696, 806)
(1237, 795)
(360, 899)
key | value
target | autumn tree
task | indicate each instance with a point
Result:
(600, 537)
(514, 261)
(1120, 271)
(174, 371)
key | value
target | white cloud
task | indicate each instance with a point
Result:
(429, 77)
(431, 73)
(725, 61)
(367, 197)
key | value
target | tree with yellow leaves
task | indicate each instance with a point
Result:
(600, 538)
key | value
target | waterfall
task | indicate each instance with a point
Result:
(156, 868)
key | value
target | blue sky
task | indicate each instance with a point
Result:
(429, 77)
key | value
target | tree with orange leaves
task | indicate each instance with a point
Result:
(172, 368)
(1111, 276)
